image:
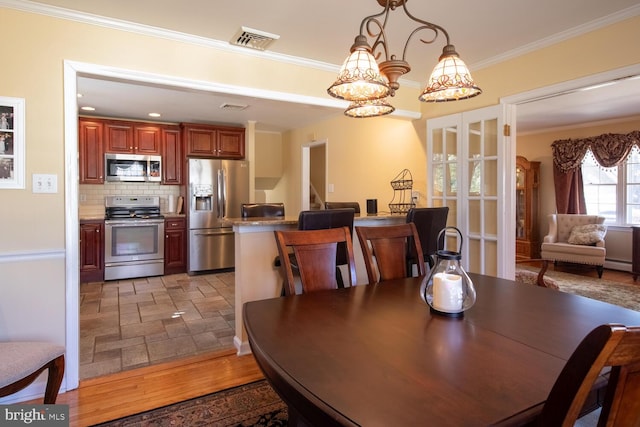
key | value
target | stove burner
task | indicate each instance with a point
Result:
(132, 207)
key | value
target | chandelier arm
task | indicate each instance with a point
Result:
(380, 38)
(422, 27)
(435, 27)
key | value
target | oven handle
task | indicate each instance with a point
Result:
(134, 222)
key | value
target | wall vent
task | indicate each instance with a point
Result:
(254, 39)
(233, 107)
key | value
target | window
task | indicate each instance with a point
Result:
(613, 192)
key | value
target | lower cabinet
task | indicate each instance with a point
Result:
(91, 251)
(175, 245)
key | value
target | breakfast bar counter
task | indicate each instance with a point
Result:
(257, 278)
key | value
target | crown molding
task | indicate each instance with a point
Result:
(117, 24)
(588, 27)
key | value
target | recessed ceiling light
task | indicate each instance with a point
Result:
(88, 108)
(154, 114)
(79, 95)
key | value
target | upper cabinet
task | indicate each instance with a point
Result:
(171, 155)
(99, 136)
(131, 137)
(91, 151)
(213, 141)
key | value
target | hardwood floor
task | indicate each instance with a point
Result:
(110, 397)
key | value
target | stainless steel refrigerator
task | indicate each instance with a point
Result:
(216, 190)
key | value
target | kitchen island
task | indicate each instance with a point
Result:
(257, 278)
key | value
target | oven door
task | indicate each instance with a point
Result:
(133, 240)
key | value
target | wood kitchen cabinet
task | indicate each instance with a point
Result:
(131, 137)
(91, 251)
(527, 183)
(172, 158)
(213, 141)
(90, 151)
(175, 245)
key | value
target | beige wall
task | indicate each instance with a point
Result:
(363, 155)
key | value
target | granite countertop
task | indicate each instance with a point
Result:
(289, 220)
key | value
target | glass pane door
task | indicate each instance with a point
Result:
(469, 169)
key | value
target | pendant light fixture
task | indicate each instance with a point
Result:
(367, 83)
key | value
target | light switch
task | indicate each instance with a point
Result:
(330, 188)
(45, 183)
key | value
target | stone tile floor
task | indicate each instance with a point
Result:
(128, 324)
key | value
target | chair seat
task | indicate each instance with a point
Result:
(582, 254)
(20, 359)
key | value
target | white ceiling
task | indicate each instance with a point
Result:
(483, 33)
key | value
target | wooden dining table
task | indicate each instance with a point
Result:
(375, 355)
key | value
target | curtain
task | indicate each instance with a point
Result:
(609, 150)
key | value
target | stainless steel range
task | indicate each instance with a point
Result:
(134, 237)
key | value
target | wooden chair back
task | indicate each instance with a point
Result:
(615, 346)
(315, 255)
(385, 250)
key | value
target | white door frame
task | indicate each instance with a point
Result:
(305, 171)
(73, 69)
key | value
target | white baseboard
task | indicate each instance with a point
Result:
(243, 347)
(618, 265)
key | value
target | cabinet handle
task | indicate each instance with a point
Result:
(97, 231)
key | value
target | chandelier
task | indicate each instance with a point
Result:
(368, 84)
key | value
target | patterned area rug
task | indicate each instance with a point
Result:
(254, 404)
(621, 294)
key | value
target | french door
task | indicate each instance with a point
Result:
(471, 169)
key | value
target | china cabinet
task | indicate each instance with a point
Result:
(527, 183)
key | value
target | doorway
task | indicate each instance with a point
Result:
(314, 175)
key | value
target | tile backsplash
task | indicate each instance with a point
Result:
(91, 197)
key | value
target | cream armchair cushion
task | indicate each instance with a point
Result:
(556, 246)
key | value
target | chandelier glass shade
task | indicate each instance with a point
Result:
(363, 80)
(359, 78)
(450, 80)
(373, 108)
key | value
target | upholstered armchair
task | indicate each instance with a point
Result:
(576, 238)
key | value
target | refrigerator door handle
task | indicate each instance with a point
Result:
(222, 193)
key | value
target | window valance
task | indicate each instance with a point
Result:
(609, 150)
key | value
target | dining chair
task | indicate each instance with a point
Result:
(315, 256)
(612, 345)
(386, 248)
(429, 222)
(21, 362)
(256, 210)
(341, 205)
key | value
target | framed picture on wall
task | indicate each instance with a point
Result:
(12, 143)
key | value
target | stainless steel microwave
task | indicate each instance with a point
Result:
(132, 167)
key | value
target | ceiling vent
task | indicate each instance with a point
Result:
(254, 39)
(233, 107)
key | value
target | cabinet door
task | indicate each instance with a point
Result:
(118, 137)
(175, 246)
(90, 146)
(200, 141)
(231, 143)
(171, 156)
(91, 251)
(147, 139)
